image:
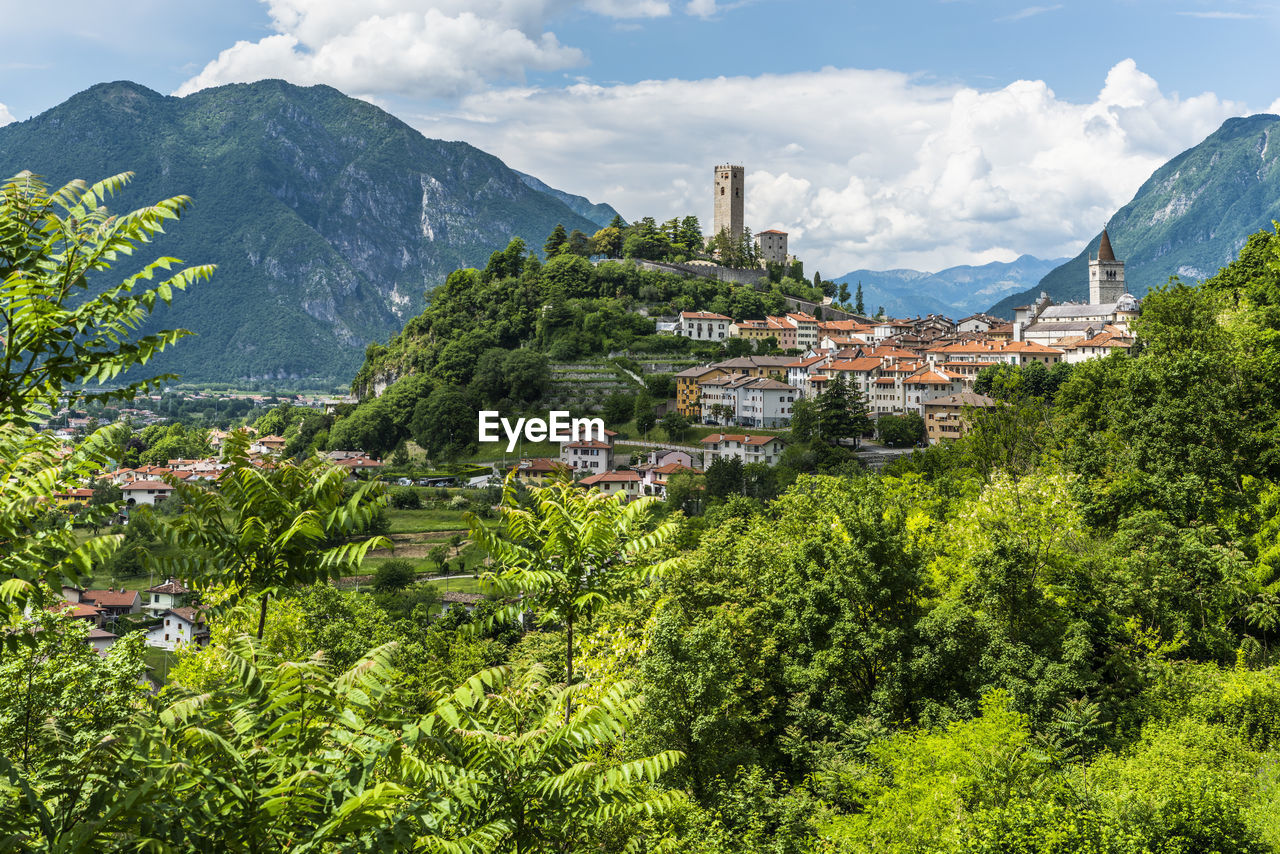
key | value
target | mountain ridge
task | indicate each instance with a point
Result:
(1189, 219)
(329, 218)
(954, 291)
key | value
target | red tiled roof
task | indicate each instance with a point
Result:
(611, 477)
(112, 598)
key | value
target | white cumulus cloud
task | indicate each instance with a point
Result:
(419, 48)
(5, 116)
(863, 168)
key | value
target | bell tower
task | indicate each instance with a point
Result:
(1106, 274)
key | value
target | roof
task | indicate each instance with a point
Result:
(1105, 252)
(930, 377)
(964, 398)
(453, 597)
(76, 609)
(112, 598)
(97, 633)
(702, 315)
(611, 477)
(190, 614)
(703, 370)
(154, 485)
(672, 468)
(540, 464)
(860, 365)
(772, 231)
(170, 586)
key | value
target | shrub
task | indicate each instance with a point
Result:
(405, 498)
(394, 574)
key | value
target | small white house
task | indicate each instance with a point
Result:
(149, 492)
(178, 627)
(171, 594)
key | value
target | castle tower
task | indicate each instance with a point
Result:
(727, 210)
(1106, 274)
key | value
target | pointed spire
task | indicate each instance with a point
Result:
(1105, 252)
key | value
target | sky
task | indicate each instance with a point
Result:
(916, 133)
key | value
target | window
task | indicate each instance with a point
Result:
(166, 638)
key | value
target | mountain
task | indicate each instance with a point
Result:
(329, 219)
(955, 291)
(600, 214)
(1189, 219)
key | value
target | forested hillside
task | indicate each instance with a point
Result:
(489, 337)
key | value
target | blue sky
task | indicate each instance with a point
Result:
(918, 134)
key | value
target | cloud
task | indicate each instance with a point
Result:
(864, 168)
(5, 116)
(422, 48)
(1030, 12)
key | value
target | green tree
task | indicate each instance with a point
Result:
(901, 431)
(858, 307)
(568, 552)
(445, 422)
(263, 531)
(555, 241)
(393, 575)
(675, 425)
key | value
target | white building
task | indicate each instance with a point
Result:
(703, 326)
(171, 594)
(748, 448)
(591, 455)
(149, 492)
(738, 399)
(178, 627)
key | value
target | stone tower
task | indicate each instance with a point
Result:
(1106, 274)
(728, 201)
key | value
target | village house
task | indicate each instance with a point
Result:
(538, 469)
(653, 478)
(112, 602)
(946, 417)
(178, 627)
(170, 594)
(589, 455)
(703, 326)
(614, 482)
(746, 447)
(148, 492)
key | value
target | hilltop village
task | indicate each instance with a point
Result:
(924, 369)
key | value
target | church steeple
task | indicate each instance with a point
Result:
(1105, 252)
(1106, 274)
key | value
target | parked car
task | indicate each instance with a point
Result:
(404, 481)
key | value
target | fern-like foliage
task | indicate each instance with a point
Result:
(570, 551)
(265, 529)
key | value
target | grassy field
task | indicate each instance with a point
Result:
(159, 660)
(426, 521)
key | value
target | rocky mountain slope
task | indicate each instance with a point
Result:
(1189, 219)
(328, 218)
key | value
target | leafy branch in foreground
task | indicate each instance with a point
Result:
(270, 528)
(57, 330)
(569, 552)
